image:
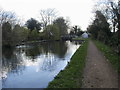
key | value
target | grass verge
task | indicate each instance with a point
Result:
(71, 76)
(109, 54)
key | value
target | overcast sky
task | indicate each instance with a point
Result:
(79, 11)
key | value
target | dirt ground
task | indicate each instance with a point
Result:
(98, 72)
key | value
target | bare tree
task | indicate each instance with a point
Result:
(6, 16)
(110, 8)
(47, 16)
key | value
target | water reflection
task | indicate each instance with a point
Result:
(34, 62)
(77, 42)
(11, 61)
(57, 48)
(49, 63)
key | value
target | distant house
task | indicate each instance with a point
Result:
(84, 35)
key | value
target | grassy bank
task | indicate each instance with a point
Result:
(109, 54)
(71, 76)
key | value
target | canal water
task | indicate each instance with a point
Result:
(35, 65)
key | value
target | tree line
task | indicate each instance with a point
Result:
(106, 24)
(49, 27)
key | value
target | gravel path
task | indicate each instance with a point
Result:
(98, 72)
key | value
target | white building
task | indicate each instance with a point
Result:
(84, 35)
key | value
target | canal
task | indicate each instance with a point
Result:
(35, 65)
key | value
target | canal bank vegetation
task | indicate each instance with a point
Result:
(47, 29)
(14, 33)
(78, 38)
(71, 76)
(105, 30)
(106, 25)
(111, 56)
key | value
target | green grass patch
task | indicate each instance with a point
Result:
(109, 54)
(71, 76)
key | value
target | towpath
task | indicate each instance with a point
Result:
(98, 72)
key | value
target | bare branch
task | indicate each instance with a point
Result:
(6, 16)
(47, 16)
